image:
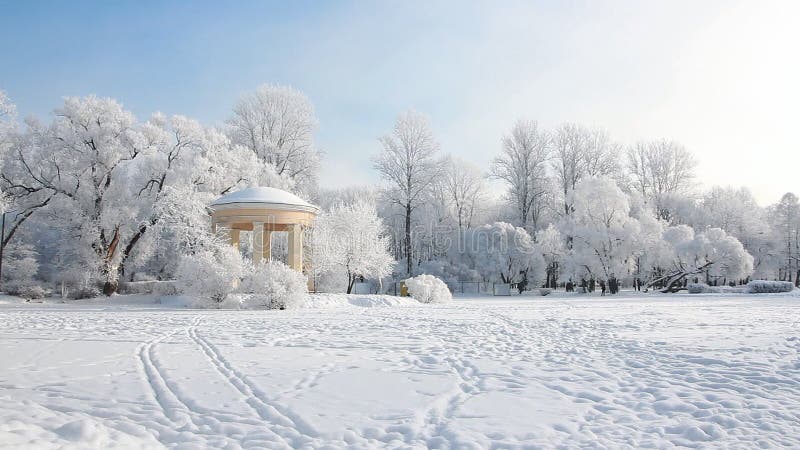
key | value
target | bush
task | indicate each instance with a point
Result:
(84, 291)
(28, 291)
(148, 287)
(769, 287)
(702, 288)
(428, 289)
(210, 275)
(545, 291)
(698, 288)
(273, 285)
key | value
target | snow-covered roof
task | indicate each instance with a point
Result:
(264, 197)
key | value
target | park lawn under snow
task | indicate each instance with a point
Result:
(626, 371)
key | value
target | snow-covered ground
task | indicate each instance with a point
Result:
(705, 370)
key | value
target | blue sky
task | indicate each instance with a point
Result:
(714, 75)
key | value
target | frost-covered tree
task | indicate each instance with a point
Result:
(659, 169)
(20, 264)
(327, 198)
(551, 242)
(277, 124)
(7, 115)
(107, 174)
(713, 255)
(24, 200)
(7, 126)
(522, 166)
(602, 229)
(736, 211)
(83, 158)
(580, 152)
(350, 240)
(648, 249)
(408, 164)
(465, 187)
(786, 221)
(505, 253)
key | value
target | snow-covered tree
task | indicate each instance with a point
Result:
(505, 253)
(327, 198)
(602, 229)
(580, 152)
(7, 126)
(277, 124)
(522, 167)
(658, 169)
(7, 115)
(737, 212)
(20, 264)
(350, 240)
(108, 174)
(648, 249)
(408, 164)
(465, 187)
(713, 255)
(551, 242)
(786, 221)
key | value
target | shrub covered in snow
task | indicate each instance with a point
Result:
(702, 288)
(210, 274)
(698, 288)
(273, 285)
(158, 287)
(220, 277)
(84, 290)
(27, 290)
(428, 289)
(769, 287)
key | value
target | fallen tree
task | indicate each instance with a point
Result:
(713, 254)
(673, 281)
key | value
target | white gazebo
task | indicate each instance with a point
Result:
(264, 210)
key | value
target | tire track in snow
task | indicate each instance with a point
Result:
(171, 405)
(203, 423)
(288, 422)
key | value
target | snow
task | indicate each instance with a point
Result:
(628, 371)
(265, 195)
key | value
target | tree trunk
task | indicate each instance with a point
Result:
(112, 274)
(408, 238)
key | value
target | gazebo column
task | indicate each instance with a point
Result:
(267, 244)
(233, 235)
(258, 242)
(295, 246)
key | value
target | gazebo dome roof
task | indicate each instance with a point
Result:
(266, 197)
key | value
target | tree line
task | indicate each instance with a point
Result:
(93, 196)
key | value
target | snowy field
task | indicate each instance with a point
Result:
(624, 372)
